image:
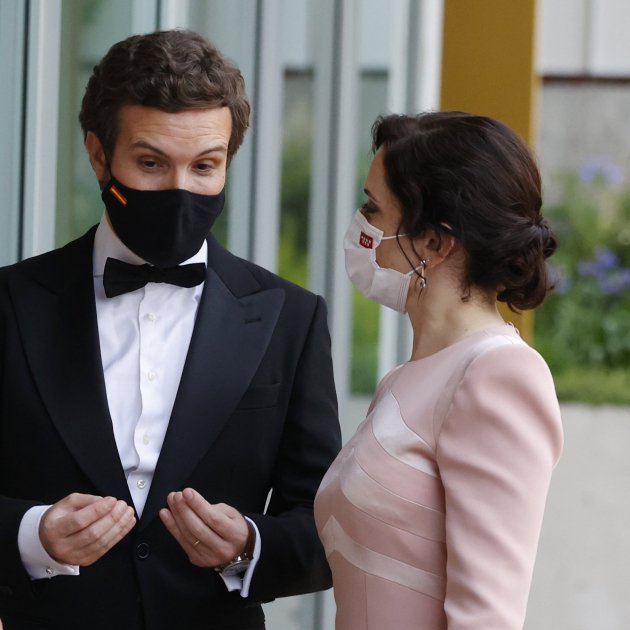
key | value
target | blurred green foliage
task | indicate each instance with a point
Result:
(294, 204)
(293, 258)
(583, 329)
(364, 365)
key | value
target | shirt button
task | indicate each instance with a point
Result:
(152, 375)
(152, 317)
(50, 571)
(142, 551)
(145, 439)
(141, 483)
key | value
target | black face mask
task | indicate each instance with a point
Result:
(163, 227)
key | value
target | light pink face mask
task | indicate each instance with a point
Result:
(385, 286)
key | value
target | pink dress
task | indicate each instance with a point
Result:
(431, 513)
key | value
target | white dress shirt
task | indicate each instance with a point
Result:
(144, 337)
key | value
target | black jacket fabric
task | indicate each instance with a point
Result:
(255, 413)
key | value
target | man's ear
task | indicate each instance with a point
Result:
(97, 157)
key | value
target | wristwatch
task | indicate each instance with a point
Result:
(238, 565)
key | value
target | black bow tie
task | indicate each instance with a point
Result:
(120, 277)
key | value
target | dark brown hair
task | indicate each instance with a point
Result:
(475, 176)
(170, 70)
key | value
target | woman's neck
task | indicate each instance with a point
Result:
(440, 318)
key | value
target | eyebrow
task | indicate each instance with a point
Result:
(146, 145)
(369, 194)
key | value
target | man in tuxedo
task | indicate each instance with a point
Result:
(167, 409)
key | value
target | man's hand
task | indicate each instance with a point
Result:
(81, 528)
(211, 535)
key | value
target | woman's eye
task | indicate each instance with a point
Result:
(204, 167)
(368, 209)
(149, 163)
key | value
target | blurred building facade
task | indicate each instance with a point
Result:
(583, 60)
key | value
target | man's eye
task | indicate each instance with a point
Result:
(204, 167)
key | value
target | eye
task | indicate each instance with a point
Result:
(204, 167)
(366, 208)
(149, 164)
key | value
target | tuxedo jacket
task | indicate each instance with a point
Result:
(255, 417)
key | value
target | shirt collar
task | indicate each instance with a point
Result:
(108, 245)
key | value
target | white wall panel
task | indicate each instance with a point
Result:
(562, 25)
(40, 151)
(578, 37)
(610, 38)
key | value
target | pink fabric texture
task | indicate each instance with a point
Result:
(431, 513)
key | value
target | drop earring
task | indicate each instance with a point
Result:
(422, 283)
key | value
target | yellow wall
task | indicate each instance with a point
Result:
(488, 68)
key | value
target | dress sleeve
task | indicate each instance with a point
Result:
(496, 449)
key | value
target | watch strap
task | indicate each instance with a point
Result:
(239, 563)
(250, 544)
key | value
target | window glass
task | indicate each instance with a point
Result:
(231, 26)
(298, 33)
(11, 73)
(89, 28)
(374, 52)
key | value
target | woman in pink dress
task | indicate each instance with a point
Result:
(431, 513)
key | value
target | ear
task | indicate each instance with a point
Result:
(436, 246)
(96, 154)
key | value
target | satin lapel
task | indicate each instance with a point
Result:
(229, 340)
(57, 321)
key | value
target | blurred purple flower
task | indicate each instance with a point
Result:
(604, 260)
(616, 283)
(605, 270)
(601, 168)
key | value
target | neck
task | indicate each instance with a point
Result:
(440, 318)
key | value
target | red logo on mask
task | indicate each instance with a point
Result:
(366, 241)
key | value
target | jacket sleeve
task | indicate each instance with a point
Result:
(496, 450)
(292, 560)
(13, 576)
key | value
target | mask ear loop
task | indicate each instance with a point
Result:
(108, 165)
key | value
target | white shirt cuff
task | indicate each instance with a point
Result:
(38, 564)
(236, 582)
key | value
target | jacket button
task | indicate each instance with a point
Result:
(143, 551)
